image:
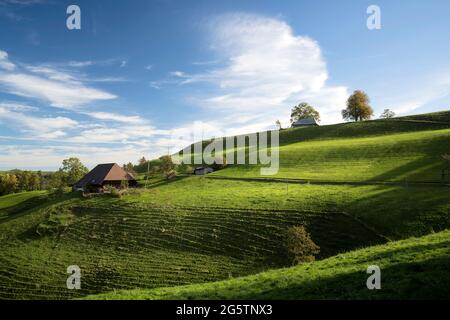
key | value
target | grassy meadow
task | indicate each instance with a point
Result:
(360, 189)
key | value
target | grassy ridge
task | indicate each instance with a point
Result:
(416, 268)
(414, 156)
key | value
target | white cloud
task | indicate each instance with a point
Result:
(4, 61)
(65, 94)
(59, 88)
(80, 64)
(50, 157)
(419, 93)
(179, 74)
(15, 106)
(268, 70)
(115, 117)
(33, 126)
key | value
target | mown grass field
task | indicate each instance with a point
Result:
(416, 268)
(193, 230)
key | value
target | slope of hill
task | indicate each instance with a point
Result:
(20, 202)
(416, 268)
(200, 229)
(119, 245)
(399, 149)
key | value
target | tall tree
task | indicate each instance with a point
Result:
(387, 114)
(358, 107)
(304, 111)
(142, 161)
(74, 170)
(129, 167)
(278, 124)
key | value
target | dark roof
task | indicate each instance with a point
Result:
(103, 173)
(305, 122)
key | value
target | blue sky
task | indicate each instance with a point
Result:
(141, 76)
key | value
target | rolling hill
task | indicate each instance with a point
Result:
(353, 186)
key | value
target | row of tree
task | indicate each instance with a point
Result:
(358, 109)
(70, 172)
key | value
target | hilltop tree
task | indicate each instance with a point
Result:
(358, 108)
(278, 124)
(142, 161)
(74, 170)
(387, 114)
(304, 111)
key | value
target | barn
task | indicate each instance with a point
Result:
(104, 174)
(305, 123)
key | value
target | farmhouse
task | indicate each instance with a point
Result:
(104, 174)
(308, 122)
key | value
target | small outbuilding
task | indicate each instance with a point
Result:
(201, 171)
(308, 122)
(104, 174)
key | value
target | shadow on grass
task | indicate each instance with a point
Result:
(164, 182)
(7, 213)
(402, 211)
(418, 170)
(427, 279)
(403, 276)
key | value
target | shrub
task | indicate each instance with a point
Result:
(301, 248)
(115, 193)
(124, 184)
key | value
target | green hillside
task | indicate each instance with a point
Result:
(193, 230)
(401, 149)
(416, 268)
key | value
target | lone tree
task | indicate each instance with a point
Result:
(278, 124)
(301, 248)
(142, 161)
(358, 108)
(304, 111)
(73, 169)
(387, 114)
(167, 165)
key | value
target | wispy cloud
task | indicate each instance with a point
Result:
(16, 106)
(80, 64)
(108, 116)
(8, 8)
(4, 61)
(59, 88)
(429, 88)
(37, 127)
